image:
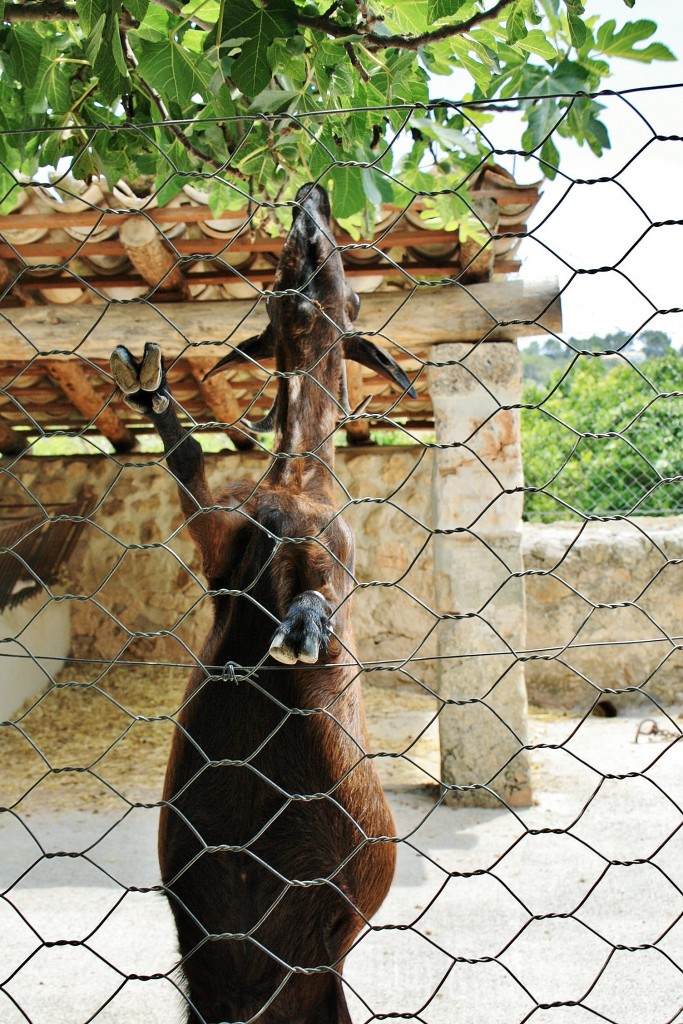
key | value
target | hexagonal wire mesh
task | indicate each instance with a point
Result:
(539, 859)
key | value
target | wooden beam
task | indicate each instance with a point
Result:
(194, 213)
(427, 315)
(62, 251)
(256, 275)
(218, 395)
(73, 382)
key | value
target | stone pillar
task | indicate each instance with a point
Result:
(476, 561)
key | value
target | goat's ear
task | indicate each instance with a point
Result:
(261, 346)
(364, 351)
(352, 303)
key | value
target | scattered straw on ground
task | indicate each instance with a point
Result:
(82, 745)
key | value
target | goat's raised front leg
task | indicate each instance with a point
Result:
(145, 389)
(305, 630)
(317, 618)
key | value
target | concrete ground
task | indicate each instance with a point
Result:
(553, 914)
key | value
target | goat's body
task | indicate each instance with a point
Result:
(248, 806)
(276, 842)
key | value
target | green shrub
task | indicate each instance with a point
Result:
(605, 437)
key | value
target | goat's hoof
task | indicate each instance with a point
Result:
(281, 649)
(304, 632)
(124, 370)
(151, 371)
(142, 382)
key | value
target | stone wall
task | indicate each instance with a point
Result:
(605, 587)
(135, 572)
(42, 641)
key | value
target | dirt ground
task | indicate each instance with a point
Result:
(567, 912)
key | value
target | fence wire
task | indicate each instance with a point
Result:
(539, 855)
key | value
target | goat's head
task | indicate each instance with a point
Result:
(311, 311)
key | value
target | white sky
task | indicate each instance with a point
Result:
(591, 226)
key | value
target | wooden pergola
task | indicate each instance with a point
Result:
(75, 283)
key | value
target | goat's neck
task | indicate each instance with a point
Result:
(306, 421)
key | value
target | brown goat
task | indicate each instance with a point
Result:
(276, 844)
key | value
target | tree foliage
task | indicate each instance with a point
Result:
(208, 69)
(541, 363)
(605, 438)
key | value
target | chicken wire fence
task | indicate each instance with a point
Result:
(544, 888)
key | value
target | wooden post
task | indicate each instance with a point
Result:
(71, 378)
(477, 561)
(150, 256)
(219, 397)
